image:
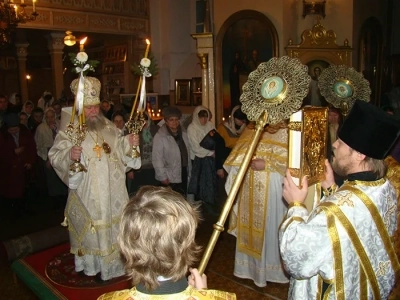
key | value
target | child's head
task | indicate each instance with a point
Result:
(157, 236)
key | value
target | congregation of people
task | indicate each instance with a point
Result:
(118, 208)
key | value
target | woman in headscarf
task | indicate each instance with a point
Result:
(203, 181)
(28, 107)
(46, 100)
(231, 130)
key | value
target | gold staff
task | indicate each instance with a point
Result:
(264, 103)
(219, 226)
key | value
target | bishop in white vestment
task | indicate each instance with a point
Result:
(96, 197)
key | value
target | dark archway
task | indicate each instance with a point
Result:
(249, 36)
(370, 56)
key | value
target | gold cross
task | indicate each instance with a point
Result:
(97, 149)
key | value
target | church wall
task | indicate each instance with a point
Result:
(172, 22)
(287, 17)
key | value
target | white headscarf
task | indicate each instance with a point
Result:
(230, 124)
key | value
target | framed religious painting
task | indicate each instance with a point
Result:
(314, 97)
(318, 50)
(182, 92)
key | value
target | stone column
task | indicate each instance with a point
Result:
(22, 52)
(56, 46)
(205, 52)
(204, 78)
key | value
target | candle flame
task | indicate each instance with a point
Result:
(147, 41)
(83, 41)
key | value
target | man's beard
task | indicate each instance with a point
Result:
(339, 169)
(96, 123)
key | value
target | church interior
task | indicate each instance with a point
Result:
(194, 46)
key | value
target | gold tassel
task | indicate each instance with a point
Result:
(92, 228)
(65, 222)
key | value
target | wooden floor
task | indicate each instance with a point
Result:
(219, 270)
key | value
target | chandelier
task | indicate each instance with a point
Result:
(11, 15)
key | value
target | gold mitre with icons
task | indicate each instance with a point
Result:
(91, 90)
(341, 85)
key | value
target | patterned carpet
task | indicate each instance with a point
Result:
(219, 270)
(61, 270)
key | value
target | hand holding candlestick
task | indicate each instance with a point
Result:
(76, 133)
(134, 126)
(136, 121)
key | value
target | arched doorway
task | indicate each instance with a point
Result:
(370, 56)
(246, 39)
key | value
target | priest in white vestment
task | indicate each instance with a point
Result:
(259, 208)
(96, 197)
(343, 248)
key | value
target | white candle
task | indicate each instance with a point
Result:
(146, 53)
(82, 44)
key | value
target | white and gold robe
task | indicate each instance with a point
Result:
(96, 199)
(259, 208)
(347, 230)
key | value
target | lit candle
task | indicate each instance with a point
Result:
(73, 114)
(16, 11)
(223, 119)
(146, 53)
(136, 97)
(158, 114)
(34, 5)
(82, 44)
(140, 80)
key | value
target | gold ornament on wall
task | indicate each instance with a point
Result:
(342, 85)
(276, 87)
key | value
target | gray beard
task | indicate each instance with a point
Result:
(96, 124)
